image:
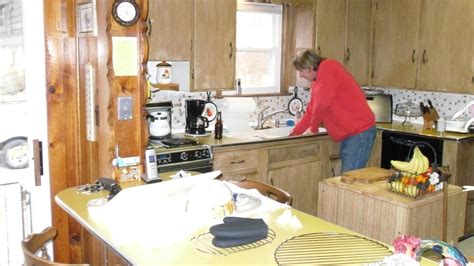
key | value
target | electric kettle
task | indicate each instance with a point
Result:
(159, 123)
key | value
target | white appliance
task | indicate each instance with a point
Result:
(460, 122)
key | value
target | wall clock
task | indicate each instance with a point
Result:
(125, 12)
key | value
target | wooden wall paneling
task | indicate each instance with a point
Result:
(62, 101)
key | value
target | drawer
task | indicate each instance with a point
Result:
(301, 151)
(236, 160)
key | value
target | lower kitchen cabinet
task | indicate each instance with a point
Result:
(295, 165)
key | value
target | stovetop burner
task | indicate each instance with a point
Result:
(174, 142)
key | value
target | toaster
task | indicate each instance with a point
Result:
(381, 105)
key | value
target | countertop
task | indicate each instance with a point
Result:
(417, 129)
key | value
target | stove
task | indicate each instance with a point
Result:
(177, 154)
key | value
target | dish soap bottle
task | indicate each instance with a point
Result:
(218, 126)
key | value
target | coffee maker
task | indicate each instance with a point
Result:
(196, 124)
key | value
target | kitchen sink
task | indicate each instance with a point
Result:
(276, 132)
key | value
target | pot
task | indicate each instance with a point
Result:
(163, 73)
(459, 125)
(159, 123)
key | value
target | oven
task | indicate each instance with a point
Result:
(193, 157)
(397, 146)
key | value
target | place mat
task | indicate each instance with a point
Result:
(330, 249)
(204, 244)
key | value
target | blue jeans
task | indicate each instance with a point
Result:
(356, 150)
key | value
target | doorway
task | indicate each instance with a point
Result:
(25, 203)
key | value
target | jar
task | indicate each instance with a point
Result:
(163, 73)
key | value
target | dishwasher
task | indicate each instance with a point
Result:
(398, 146)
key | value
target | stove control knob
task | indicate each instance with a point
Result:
(197, 154)
(184, 156)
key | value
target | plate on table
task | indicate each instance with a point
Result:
(245, 202)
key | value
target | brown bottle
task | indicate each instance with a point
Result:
(218, 127)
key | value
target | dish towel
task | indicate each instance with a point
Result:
(236, 231)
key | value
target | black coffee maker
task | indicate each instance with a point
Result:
(196, 124)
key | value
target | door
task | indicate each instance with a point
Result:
(24, 203)
(330, 29)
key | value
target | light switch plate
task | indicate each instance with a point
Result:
(125, 108)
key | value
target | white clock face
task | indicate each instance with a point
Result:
(126, 11)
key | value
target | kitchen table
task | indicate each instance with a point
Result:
(126, 232)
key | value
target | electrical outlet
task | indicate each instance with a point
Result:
(125, 108)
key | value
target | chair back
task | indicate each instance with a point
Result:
(36, 243)
(265, 189)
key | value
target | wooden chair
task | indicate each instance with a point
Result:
(36, 243)
(265, 189)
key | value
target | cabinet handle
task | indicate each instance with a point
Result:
(237, 162)
(424, 59)
(348, 55)
(271, 181)
(319, 51)
(413, 56)
(333, 172)
(231, 50)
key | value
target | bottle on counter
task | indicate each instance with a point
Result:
(218, 126)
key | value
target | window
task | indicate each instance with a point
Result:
(258, 45)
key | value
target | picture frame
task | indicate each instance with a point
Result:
(87, 19)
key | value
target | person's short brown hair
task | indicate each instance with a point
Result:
(307, 59)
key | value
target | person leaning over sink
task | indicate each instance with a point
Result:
(338, 103)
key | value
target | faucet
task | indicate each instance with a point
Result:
(261, 119)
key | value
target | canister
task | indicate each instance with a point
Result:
(163, 73)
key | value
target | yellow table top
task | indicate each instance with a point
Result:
(183, 251)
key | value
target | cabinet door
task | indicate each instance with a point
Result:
(396, 32)
(171, 29)
(301, 181)
(357, 46)
(214, 44)
(330, 28)
(447, 29)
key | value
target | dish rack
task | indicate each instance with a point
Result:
(415, 185)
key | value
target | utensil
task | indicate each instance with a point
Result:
(295, 105)
(210, 109)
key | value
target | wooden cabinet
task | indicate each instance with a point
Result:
(372, 210)
(236, 162)
(298, 168)
(199, 31)
(425, 45)
(171, 30)
(343, 30)
(295, 165)
(396, 31)
(446, 52)
(213, 64)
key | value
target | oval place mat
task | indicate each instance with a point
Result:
(330, 248)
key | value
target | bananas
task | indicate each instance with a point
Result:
(418, 164)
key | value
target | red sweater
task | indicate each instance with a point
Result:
(337, 102)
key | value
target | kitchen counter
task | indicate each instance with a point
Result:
(417, 129)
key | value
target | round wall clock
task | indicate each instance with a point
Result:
(125, 12)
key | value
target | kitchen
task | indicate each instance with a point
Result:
(94, 157)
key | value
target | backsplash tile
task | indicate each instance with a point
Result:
(238, 111)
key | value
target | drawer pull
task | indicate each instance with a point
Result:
(237, 162)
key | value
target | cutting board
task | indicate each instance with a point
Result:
(365, 175)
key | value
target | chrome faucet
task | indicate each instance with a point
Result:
(261, 118)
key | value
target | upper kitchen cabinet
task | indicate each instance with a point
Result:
(396, 32)
(446, 46)
(343, 33)
(213, 63)
(424, 44)
(171, 32)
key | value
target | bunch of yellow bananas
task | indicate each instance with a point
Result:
(418, 164)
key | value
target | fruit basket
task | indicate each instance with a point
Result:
(417, 177)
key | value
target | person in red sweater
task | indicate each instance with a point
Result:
(338, 104)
